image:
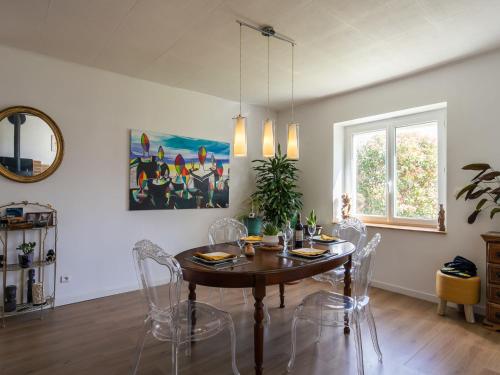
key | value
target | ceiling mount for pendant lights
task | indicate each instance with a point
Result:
(268, 129)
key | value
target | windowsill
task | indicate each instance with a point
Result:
(412, 228)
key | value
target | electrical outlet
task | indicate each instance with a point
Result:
(65, 279)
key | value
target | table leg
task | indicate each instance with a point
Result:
(192, 298)
(282, 296)
(259, 292)
(347, 291)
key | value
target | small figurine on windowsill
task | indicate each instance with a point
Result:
(441, 225)
(346, 206)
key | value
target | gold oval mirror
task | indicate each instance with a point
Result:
(31, 144)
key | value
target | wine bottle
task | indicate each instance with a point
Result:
(299, 233)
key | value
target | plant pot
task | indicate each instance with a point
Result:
(25, 260)
(271, 240)
(254, 225)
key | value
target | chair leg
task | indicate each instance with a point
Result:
(140, 346)
(267, 316)
(291, 362)
(373, 332)
(359, 343)
(175, 354)
(441, 307)
(245, 298)
(320, 325)
(221, 296)
(469, 313)
(232, 334)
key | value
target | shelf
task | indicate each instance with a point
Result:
(36, 264)
(23, 308)
(21, 229)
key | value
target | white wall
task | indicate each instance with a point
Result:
(95, 109)
(407, 261)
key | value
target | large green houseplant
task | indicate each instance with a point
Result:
(484, 185)
(277, 193)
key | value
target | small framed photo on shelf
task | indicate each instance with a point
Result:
(14, 212)
(40, 219)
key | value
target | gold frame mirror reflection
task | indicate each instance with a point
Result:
(56, 137)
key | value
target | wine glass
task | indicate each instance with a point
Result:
(241, 242)
(311, 229)
(287, 235)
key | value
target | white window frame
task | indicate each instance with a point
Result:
(389, 122)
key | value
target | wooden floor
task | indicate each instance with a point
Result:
(99, 337)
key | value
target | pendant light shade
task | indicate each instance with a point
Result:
(268, 148)
(240, 137)
(292, 145)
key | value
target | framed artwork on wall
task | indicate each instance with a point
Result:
(175, 172)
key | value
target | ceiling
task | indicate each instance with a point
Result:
(194, 44)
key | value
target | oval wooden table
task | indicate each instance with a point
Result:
(265, 268)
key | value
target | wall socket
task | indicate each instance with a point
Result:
(64, 279)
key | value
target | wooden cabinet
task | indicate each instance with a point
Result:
(492, 240)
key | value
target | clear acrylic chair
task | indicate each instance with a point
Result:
(230, 230)
(169, 319)
(329, 309)
(354, 231)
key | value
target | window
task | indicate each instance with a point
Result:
(394, 166)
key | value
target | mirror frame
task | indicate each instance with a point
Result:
(59, 139)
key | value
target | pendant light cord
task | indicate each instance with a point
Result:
(240, 67)
(268, 78)
(293, 71)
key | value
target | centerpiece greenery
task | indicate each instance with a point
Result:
(484, 185)
(276, 188)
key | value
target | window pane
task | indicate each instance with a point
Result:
(369, 153)
(416, 194)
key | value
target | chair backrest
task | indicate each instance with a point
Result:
(226, 230)
(160, 275)
(363, 268)
(352, 230)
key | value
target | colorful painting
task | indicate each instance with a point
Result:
(173, 172)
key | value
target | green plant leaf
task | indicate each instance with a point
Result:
(478, 193)
(466, 189)
(494, 212)
(472, 218)
(489, 176)
(481, 204)
(476, 167)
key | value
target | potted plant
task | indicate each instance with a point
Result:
(252, 218)
(484, 185)
(270, 234)
(276, 191)
(26, 258)
(311, 221)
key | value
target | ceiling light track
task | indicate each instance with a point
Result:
(267, 31)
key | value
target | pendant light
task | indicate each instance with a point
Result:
(292, 145)
(240, 126)
(268, 147)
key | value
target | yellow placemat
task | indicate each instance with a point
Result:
(308, 252)
(218, 255)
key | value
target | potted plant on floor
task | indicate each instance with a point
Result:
(26, 258)
(270, 234)
(276, 180)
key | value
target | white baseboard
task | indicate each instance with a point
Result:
(479, 309)
(66, 300)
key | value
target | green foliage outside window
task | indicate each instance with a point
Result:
(417, 176)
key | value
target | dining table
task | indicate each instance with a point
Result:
(263, 269)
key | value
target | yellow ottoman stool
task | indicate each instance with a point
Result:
(465, 292)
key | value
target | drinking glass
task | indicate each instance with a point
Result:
(287, 235)
(311, 229)
(241, 242)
